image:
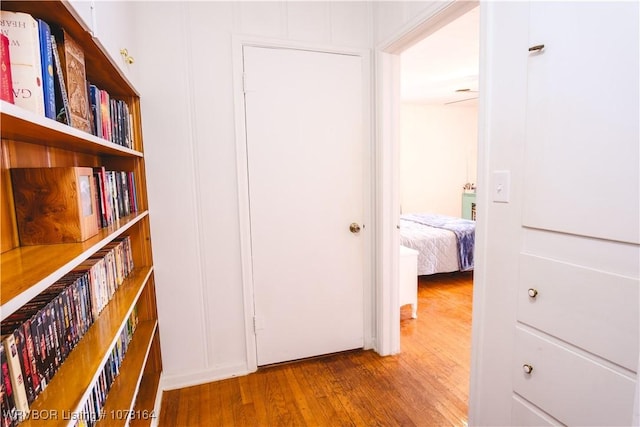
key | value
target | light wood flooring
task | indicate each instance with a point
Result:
(425, 385)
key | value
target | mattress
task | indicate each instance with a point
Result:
(438, 250)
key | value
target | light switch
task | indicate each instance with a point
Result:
(501, 186)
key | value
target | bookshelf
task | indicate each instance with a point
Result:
(30, 140)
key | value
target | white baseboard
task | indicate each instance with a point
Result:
(172, 382)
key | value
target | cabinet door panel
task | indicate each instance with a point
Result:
(581, 150)
(114, 28)
(84, 11)
(570, 387)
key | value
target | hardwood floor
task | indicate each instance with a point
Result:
(425, 385)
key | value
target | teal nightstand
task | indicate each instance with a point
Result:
(469, 206)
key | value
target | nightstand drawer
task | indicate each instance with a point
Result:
(569, 386)
(594, 310)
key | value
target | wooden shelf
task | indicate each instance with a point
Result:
(72, 383)
(22, 125)
(120, 402)
(145, 399)
(31, 140)
(28, 270)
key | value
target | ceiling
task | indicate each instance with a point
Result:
(447, 60)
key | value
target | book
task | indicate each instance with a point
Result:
(31, 355)
(24, 52)
(25, 364)
(106, 115)
(94, 101)
(15, 373)
(63, 114)
(46, 56)
(6, 81)
(9, 411)
(74, 71)
(100, 175)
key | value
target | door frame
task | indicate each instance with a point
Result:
(244, 215)
(387, 67)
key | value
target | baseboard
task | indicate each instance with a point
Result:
(172, 382)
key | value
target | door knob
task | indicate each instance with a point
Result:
(354, 228)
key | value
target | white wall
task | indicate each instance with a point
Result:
(188, 120)
(438, 155)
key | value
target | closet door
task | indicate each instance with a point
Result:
(582, 151)
(304, 122)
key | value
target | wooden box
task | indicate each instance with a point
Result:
(54, 205)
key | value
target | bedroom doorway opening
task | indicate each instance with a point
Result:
(429, 143)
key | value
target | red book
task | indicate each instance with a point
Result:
(106, 115)
(6, 82)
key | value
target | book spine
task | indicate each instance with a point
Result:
(46, 54)
(74, 70)
(24, 53)
(25, 363)
(6, 81)
(64, 114)
(106, 115)
(31, 354)
(9, 412)
(94, 98)
(15, 373)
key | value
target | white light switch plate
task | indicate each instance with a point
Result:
(501, 186)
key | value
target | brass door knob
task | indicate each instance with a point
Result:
(354, 228)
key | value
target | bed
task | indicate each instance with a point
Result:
(445, 244)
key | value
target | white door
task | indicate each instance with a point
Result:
(304, 125)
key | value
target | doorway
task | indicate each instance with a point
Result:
(388, 69)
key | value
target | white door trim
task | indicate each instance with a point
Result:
(387, 171)
(238, 42)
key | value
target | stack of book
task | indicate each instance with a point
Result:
(116, 195)
(92, 410)
(39, 336)
(43, 71)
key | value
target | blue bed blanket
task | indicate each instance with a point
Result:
(464, 230)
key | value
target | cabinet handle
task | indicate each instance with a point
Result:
(533, 292)
(125, 55)
(536, 48)
(528, 369)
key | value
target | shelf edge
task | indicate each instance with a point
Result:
(18, 301)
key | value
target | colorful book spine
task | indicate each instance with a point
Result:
(73, 67)
(15, 373)
(106, 115)
(6, 81)
(9, 411)
(24, 51)
(64, 112)
(94, 99)
(46, 54)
